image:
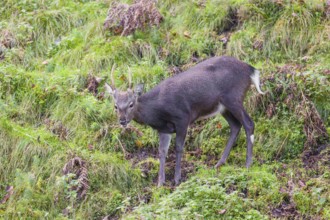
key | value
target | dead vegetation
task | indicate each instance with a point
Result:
(57, 128)
(10, 191)
(7, 41)
(314, 127)
(124, 19)
(78, 167)
(286, 91)
(287, 209)
(314, 166)
(232, 21)
(92, 84)
(2, 52)
(318, 159)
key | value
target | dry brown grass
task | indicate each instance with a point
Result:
(10, 191)
(124, 19)
(78, 167)
(57, 128)
(7, 41)
(297, 102)
(92, 84)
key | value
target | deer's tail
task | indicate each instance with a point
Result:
(255, 77)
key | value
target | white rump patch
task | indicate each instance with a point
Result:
(252, 138)
(220, 109)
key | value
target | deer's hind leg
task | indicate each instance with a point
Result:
(239, 113)
(235, 127)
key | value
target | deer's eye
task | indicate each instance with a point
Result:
(116, 107)
(131, 105)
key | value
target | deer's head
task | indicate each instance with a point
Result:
(126, 102)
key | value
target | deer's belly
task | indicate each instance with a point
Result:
(220, 109)
(165, 127)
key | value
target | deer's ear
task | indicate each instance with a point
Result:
(108, 89)
(138, 90)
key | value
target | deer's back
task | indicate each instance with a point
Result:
(209, 79)
(200, 90)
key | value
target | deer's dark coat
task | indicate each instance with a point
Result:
(216, 85)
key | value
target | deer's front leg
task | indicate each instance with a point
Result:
(164, 143)
(179, 144)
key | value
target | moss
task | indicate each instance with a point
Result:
(228, 195)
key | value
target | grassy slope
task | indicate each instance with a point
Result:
(47, 115)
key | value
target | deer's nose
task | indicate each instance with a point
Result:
(123, 121)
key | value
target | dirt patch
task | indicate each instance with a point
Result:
(317, 160)
(187, 168)
(286, 210)
(312, 167)
(140, 158)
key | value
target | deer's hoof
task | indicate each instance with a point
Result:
(248, 164)
(218, 165)
(161, 183)
(177, 181)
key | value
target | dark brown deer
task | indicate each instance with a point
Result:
(217, 85)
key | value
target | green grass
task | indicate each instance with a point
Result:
(234, 193)
(51, 47)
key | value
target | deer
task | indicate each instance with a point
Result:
(214, 86)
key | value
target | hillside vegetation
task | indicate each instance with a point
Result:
(63, 155)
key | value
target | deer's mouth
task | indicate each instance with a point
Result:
(124, 124)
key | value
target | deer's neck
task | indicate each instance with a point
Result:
(145, 109)
(140, 115)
